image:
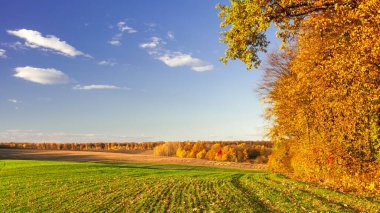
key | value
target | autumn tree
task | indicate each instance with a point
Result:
(212, 153)
(166, 149)
(201, 154)
(180, 152)
(323, 87)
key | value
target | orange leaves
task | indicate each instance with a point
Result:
(324, 97)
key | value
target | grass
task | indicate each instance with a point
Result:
(39, 186)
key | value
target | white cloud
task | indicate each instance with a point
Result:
(108, 62)
(123, 27)
(156, 49)
(115, 42)
(15, 45)
(178, 59)
(41, 75)
(171, 35)
(35, 39)
(154, 42)
(95, 87)
(14, 101)
(2, 53)
(203, 68)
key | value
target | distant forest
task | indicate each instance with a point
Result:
(236, 151)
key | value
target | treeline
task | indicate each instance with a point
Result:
(116, 146)
(84, 146)
(322, 88)
(257, 152)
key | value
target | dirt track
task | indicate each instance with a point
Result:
(138, 157)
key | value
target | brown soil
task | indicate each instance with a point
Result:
(132, 156)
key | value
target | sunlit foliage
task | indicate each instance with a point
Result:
(166, 149)
(235, 151)
(323, 87)
(257, 152)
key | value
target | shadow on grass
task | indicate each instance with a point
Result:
(271, 185)
(257, 205)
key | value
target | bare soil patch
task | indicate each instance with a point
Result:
(133, 156)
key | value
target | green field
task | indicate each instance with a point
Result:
(39, 186)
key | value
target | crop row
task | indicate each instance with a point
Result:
(92, 187)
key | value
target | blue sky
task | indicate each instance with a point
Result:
(122, 71)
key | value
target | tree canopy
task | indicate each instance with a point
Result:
(323, 87)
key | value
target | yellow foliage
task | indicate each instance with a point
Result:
(201, 154)
(323, 88)
(181, 152)
(166, 149)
